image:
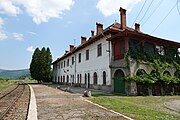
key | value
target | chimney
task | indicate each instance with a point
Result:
(92, 33)
(66, 51)
(99, 28)
(83, 39)
(123, 17)
(71, 47)
(137, 27)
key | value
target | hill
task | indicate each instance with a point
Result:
(14, 74)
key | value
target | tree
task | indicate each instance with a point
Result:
(34, 64)
(40, 67)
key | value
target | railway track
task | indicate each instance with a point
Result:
(11, 102)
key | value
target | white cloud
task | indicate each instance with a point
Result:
(39, 10)
(32, 33)
(9, 7)
(18, 36)
(30, 49)
(69, 22)
(3, 35)
(1, 22)
(109, 7)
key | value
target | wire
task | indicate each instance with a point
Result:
(164, 18)
(146, 11)
(178, 7)
(159, 3)
(139, 13)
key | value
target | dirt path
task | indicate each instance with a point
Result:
(53, 104)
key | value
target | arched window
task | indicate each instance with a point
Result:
(58, 79)
(140, 72)
(67, 78)
(73, 79)
(104, 78)
(95, 78)
(88, 78)
(80, 79)
(63, 79)
(85, 78)
(55, 78)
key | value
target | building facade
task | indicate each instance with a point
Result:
(97, 61)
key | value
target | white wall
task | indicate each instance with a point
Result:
(95, 63)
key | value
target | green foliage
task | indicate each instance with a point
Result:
(158, 63)
(145, 79)
(14, 74)
(40, 66)
(138, 108)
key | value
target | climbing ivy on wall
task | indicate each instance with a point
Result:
(158, 63)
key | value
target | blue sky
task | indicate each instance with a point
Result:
(27, 24)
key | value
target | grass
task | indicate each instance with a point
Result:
(30, 81)
(5, 84)
(139, 107)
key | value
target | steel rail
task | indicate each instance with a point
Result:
(11, 105)
(9, 92)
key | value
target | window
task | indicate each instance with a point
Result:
(61, 64)
(119, 49)
(67, 79)
(104, 78)
(85, 78)
(72, 60)
(135, 45)
(58, 65)
(79, 57)
(78, 78)
(55, 78)
(88, 80)
(73, 79)
(64, 63)
(148, 48)
(99, 50)
(67, 62)
(87, 54)
(58, 79)
(160, 50)
(95, 78)
(61, 79)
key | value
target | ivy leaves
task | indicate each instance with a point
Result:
(158, 63)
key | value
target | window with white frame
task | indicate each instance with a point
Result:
(87, 54)
(95, 78)
(67, 62)
(99, 49)
(79, 56)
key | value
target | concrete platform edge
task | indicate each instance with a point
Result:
(32, 113)
(107, 109)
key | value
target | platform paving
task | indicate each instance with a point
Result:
(173, 105)
(55, 104)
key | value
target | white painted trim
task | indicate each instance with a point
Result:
(32, 113)
(107, 109)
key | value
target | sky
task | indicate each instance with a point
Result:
(28, 24)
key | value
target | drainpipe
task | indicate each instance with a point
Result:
(109, 55)
(75, 68)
